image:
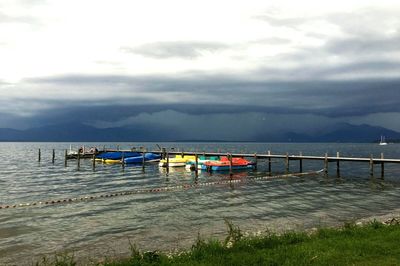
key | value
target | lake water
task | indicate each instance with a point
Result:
(171, 220)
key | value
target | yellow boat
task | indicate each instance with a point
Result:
(110, 161)
(178, 161)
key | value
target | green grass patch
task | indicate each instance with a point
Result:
(370, 244)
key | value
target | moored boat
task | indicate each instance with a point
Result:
(117, 155)
(225, 165)
(82, 152)
(148, 157)
(177, 161)
(191, 164)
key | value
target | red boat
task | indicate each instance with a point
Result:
(224, 164)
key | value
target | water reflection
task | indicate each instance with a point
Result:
(168, 220)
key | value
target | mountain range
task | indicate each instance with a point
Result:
(72, 132)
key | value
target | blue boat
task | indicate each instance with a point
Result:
(117, 155)
(139, 159)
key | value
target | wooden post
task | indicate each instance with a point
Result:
(94, 162)
(287, 162)
(163, 157)
(196, 165)
(167, 163)
(79, 160)
(117, 147)
(301, 163)
(326, 164)
(371, 166)
(255, 161)
(65, 158)
(269, 162)
(123, 160)
(382, 167)
(53, 157)
(143, 160)
(337, 164)
(230, 164)
(39, 155)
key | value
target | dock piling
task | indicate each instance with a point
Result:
(79, 160)
(65, 158)
(337, 164)
(123, 161)
(255, 161)
(39, 155)
(287, 163)
(230, 164)
(196, 165)
(53, 157)
(167, 163)
(301, 162)
(269, 162)
(382, 167)
(143, 160)
(371, 166)
(94, 162)
(326, 163)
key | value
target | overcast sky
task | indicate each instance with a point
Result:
(284, 64)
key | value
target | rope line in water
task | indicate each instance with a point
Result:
(152, 190)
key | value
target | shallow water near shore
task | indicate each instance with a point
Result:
(171, 220)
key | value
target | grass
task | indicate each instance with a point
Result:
(370, 244)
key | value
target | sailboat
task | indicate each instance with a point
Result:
(382, 142)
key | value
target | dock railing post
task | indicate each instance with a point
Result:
(53, 156)
(230, 164)
(382, 167)
(94, 162)
(65, 158)
(196, 165)
(301, 162)
(167, 163)
(326, 164)
(143, 161)
(371, 166)
(79, 160)
(337, 164)
(163, 154)
(269, 162)
(287, 163)
(123, 161)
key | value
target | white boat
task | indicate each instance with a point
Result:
(382, 142)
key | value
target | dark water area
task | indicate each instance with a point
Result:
(171, 220)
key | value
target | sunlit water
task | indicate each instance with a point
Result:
(171, 220)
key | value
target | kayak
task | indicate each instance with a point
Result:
(148, 157)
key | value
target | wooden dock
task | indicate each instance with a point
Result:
(287, 158)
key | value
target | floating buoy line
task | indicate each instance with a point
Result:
(151, 190)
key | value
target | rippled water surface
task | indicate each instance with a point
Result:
(172, 220)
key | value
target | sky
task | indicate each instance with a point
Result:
(232, 66)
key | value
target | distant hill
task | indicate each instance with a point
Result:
(342, 132)
(143, 132)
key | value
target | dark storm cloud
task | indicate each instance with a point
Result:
(230, 94)
(186, 50)
(370, 45)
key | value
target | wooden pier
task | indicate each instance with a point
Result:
(165, 154)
